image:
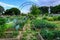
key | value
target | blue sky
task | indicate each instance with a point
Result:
(16, 3)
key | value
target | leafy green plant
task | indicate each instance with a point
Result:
(48, 18)
(47, 35)
(50, 35)
(55, 18)
(2, 31)
(57, 34)
(58, 17)
(46, 14)
(2, 21)
(21, 22)
(2, 28)
(9, 25)
(44, 18)
(34, 10)
(42, 24)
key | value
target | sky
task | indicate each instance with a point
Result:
(25, 8)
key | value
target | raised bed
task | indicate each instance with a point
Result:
(18, 37)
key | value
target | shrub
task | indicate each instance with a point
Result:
(50, 35)
(44, 18)
(2, 21)
(55, 18)
(42, 24)
(9, 25)
(2, 28)
(1, 31)
(48, 18)
(58, 17)
(46, 14)
(31, 16)
(57, 34)
(47, 35)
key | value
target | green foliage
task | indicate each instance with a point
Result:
(34, 10)
(9, 25)
(48, 18)
(42, 24)
(46, 14)
(2, 21)
(55, 9)
(30, 16)
(55, 18)
(58, 17)
(44, 18)
(57, 34)
(2, 27)
(44, 9)
(1, 9)
(50, 35)
(12, 11)
(29, 35)
(21, 21)
(47, 35)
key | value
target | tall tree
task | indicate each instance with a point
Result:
(56, 9)
(1, 10)
(34, 10)
(44, 9)
(12, 11)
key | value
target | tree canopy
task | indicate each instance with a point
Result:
(44, 9)
(12, 11)
(34, 10)
(55, 9)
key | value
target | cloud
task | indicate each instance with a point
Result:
(46, 2)
(26, 9)
(56, 3)
(43, 3)
(6, 5)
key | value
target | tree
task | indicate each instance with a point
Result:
(8, 12)
(12, 11)
(1, 10)
(55, 9)
(44, 9)
(34, 10)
